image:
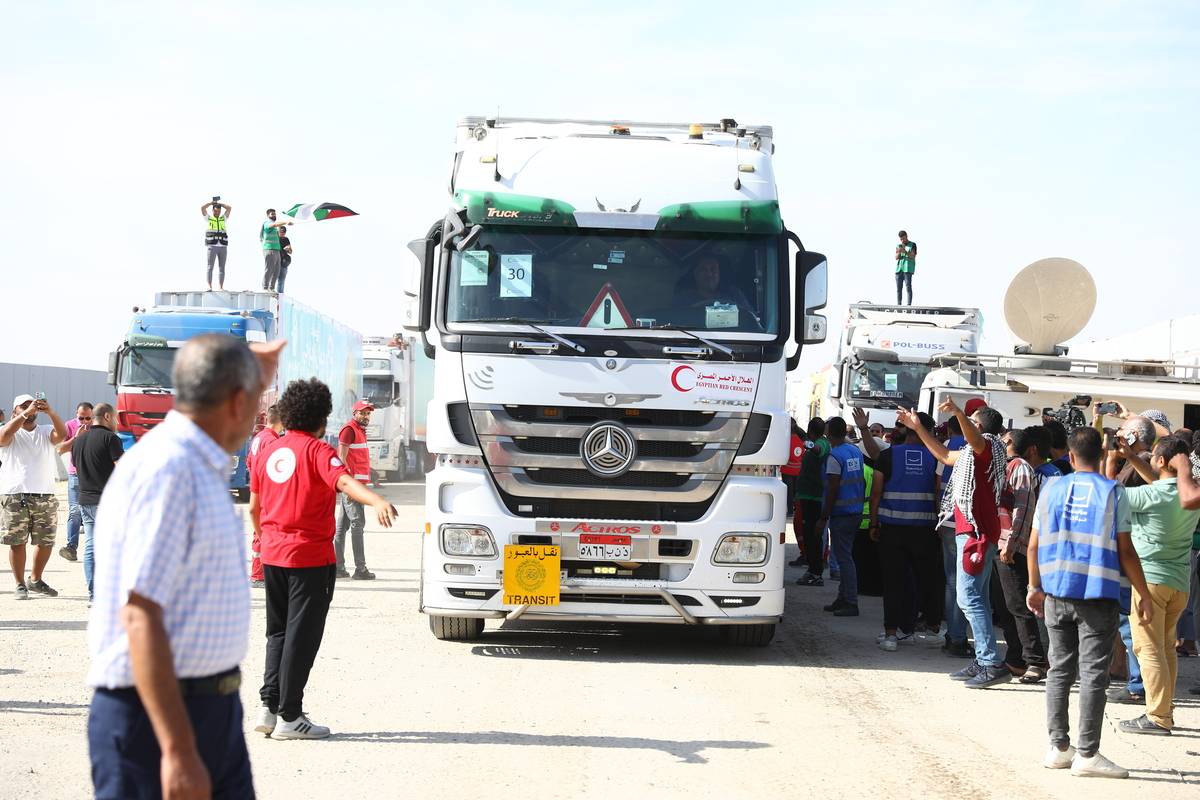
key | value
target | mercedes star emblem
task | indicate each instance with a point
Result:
(608, 450)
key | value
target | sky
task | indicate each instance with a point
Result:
(996, 134)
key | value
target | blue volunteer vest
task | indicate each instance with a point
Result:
(850, 496)
(909, 496)
(1077, 538)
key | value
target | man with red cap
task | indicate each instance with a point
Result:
(352, 450)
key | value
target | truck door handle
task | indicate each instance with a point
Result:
(536, 347)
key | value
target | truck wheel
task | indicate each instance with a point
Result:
(749, 635)
(456, 629)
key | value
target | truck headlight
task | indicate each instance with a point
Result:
(741, 548)
(468, 541)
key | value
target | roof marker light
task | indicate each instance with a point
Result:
(695, 131)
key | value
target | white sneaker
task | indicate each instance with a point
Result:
(905, 638)
(889, 644)
(266, 721)
(299, 728)
(1058, 759)
(1096, 767)
(880, 637)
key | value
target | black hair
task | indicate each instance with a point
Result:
(902, 233)
(305, 406)
(1058, 433)
(1196, 442)
(990, 420)
(85, 404)
(926, 420)
(953, 427)
(1086, 446)
(816, 428)
(836, 428)
(1168, 447)
(1037, 436)
(269, 210)
(795, 428)
(272, 413)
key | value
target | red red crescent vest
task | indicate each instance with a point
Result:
(359, 457)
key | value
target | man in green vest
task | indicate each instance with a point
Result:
(215, 238)
(906, 265)
(272, 250)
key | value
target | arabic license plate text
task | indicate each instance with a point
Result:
(606, 552)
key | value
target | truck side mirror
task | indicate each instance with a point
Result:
(420, 285)
(113, 361)
(811, 287)
(812, 276)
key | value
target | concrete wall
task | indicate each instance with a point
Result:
(64, 387)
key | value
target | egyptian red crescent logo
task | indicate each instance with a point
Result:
(554, 527)
(656, 528)
(683, 378)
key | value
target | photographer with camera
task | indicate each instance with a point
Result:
(216, 239)
(27, 499)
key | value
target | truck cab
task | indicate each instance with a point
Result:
(609, 307)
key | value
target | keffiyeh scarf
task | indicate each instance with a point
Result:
(961, 491)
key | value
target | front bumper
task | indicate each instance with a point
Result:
(694, 590)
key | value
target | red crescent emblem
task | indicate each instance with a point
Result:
(675, 378)
(554, 526)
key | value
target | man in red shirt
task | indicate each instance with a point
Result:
(975, 485)
(261, 439)
(293, 487)
(352, 450)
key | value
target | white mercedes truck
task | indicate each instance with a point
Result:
(611, 308)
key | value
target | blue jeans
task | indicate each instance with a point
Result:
(974, 598)
(1135, 685)
(842, 531)
(126, 759)
(282, 277)
(88, 513)
(74, 523)
(956, 623)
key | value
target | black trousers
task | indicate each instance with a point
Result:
(1021, 631)
(297, 604)
(813, 539)
(903, 279)
(914, 580)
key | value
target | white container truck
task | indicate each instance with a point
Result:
(609, 305)
(395, 381)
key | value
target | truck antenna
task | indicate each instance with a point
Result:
(496, 163)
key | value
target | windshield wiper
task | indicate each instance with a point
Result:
(680, 329)
(518, 321)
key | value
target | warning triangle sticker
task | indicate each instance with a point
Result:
(607, 310)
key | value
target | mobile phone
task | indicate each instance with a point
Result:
(1108, 408)
(216, 198)
(1110, 440)
(39, 396)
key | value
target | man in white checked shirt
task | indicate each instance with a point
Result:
(172, 611)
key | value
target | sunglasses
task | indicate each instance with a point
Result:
(84, 419)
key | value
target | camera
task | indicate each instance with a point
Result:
(1069, 414)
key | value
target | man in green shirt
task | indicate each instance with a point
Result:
(1162, 536)
(269, 236)
(906, 265)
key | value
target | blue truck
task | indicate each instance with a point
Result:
(318, 346)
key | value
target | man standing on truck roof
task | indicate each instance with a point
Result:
(272, 250)
(216, 239)
(353, 451)
(906, 265)
(285, 257)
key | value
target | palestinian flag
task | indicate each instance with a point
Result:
(318, 211)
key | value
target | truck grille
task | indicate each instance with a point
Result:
(533, 454)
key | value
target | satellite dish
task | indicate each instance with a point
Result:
(1049, 302)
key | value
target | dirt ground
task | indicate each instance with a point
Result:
(534, 710)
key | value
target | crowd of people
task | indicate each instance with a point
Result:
(1080, 546)
(160, 532)
(272, 235)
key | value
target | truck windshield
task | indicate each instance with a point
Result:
(898, 384)
(378, 389)
(148, 367)
(618, 279)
